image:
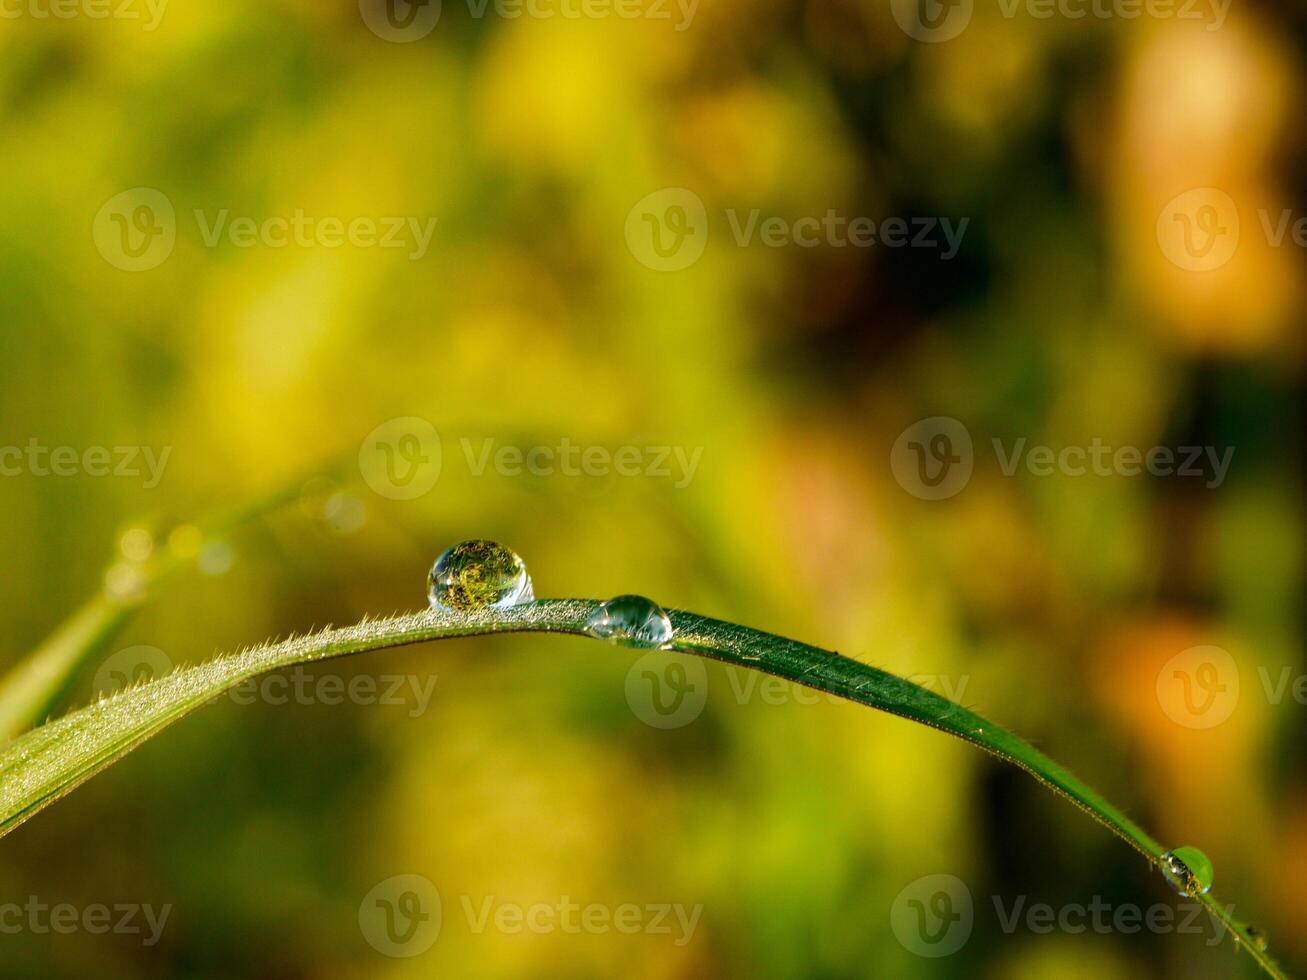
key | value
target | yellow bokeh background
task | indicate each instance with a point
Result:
(1049, 603)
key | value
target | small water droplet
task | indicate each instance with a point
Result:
(632, 621)
(478, 575)
(186, 540)
(125, 582)
(136, 544)
(1256, 938)
(344, 513)
(314, 496)
(216, 557)
(1188, 870)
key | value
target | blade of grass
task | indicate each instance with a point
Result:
(51, 761)
(39, 683)
(35, 687)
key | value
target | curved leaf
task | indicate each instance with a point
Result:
(51, 761)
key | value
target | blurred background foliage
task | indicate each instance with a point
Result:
(1056, 600)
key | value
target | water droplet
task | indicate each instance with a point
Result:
(185, 540)
(344, 513)
(1256, 938)
(1188, 870)
(478, 575)
(125, 582)
(215, 558)
(632, 621)
(136, 544)
(314, 496)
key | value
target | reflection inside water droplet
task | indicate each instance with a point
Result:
(1188, 870)
(478, 575)
(633, 621)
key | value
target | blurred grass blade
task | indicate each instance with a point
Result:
(51, 761)
(38, 684)
(32, 689)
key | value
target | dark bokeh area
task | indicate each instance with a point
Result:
(962, 338)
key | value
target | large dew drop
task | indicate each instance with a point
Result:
(1188, 870)
(632, 621)
(478, 575)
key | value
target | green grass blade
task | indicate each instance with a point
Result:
(49, 762)
(40, 682)
(36, 685)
